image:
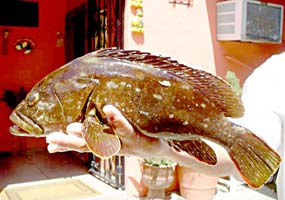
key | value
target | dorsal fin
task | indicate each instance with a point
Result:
(214, 88)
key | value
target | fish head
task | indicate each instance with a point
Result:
(38, 113)
(51, 104)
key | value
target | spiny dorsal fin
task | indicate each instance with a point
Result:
(216, 89)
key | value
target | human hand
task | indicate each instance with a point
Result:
(136, 144)
(72, 140)
(133, 142)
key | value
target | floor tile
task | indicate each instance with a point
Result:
(38, 164)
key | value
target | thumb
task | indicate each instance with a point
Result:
(118, 122)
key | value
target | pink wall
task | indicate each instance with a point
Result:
(18, 69)
(179, 31)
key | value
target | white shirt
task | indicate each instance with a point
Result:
(264, 101)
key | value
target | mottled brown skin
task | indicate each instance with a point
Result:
(158, 96)
(156, 109)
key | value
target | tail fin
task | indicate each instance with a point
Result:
(255, 160)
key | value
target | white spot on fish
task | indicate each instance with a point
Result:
(185, 123)
(92, 112)
(69, 119)
(205, 125)
(165, 83)
(171, 116)
(129, 86)
(157, 96)
(40, 118)
(138, 89)
(186, 87)
(111, 84)
(123, 84)
(144, 113)
(96, 81)
(203, 105)
(68, 100)
(206, 119)
(47, 105)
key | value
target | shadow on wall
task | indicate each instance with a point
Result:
(138, 38)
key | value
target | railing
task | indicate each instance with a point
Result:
(111, 171)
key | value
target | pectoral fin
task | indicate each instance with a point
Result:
(196, 148)
(101, 143)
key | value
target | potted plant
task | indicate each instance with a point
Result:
(157, 175)
(194, 185)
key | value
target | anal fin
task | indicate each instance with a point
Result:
(101, 143)
(196, 148)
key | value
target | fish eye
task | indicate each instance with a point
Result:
(33, 98)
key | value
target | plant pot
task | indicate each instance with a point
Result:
(194, 185)
(157, 179)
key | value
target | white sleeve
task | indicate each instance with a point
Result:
(266, 125)
(263, 106)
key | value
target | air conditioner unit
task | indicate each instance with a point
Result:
(249, 20)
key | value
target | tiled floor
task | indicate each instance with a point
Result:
(35, 165)
(38, 165)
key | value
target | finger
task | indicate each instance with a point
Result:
(119, 123)
(68, 141)
(74, 129)
(53, 148)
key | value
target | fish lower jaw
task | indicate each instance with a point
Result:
(23, 126)
(17, 131)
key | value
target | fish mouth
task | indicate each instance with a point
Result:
(24, 126)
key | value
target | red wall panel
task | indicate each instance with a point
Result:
(19, 69)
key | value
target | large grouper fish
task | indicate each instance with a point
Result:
(160, 97)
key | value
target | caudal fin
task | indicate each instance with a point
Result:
(255, 160)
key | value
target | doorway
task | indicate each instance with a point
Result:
(93, 25)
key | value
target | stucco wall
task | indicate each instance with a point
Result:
(175, 30)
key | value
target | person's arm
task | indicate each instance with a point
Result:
(136, 144)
